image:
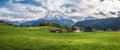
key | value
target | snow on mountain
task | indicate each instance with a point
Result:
(20, 11)
(90, 18)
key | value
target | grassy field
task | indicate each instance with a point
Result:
(39, 38)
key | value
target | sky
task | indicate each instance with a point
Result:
(76, 10)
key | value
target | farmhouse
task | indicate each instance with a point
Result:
(73, 29)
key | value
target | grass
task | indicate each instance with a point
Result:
(39, 38)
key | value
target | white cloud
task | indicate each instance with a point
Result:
(18, 12)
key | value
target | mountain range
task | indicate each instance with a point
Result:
(101, 24)
(25, 12)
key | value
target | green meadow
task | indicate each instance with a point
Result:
(39, 38)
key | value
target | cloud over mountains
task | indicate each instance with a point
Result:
(76, 10)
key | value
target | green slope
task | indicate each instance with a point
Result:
(39, 38)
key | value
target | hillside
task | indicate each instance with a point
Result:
(39, 38)
(101, 24)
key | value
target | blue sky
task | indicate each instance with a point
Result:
(76, 10)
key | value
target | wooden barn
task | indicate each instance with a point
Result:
(57, 30)
(73, 29)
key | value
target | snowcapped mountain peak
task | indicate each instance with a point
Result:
(90, 18)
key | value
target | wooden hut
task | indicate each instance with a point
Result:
(73, 29)
(56, 30)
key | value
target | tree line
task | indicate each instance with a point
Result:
(51, 24)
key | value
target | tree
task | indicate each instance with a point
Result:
(28, 26)
(45, 24)
(58, 25)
